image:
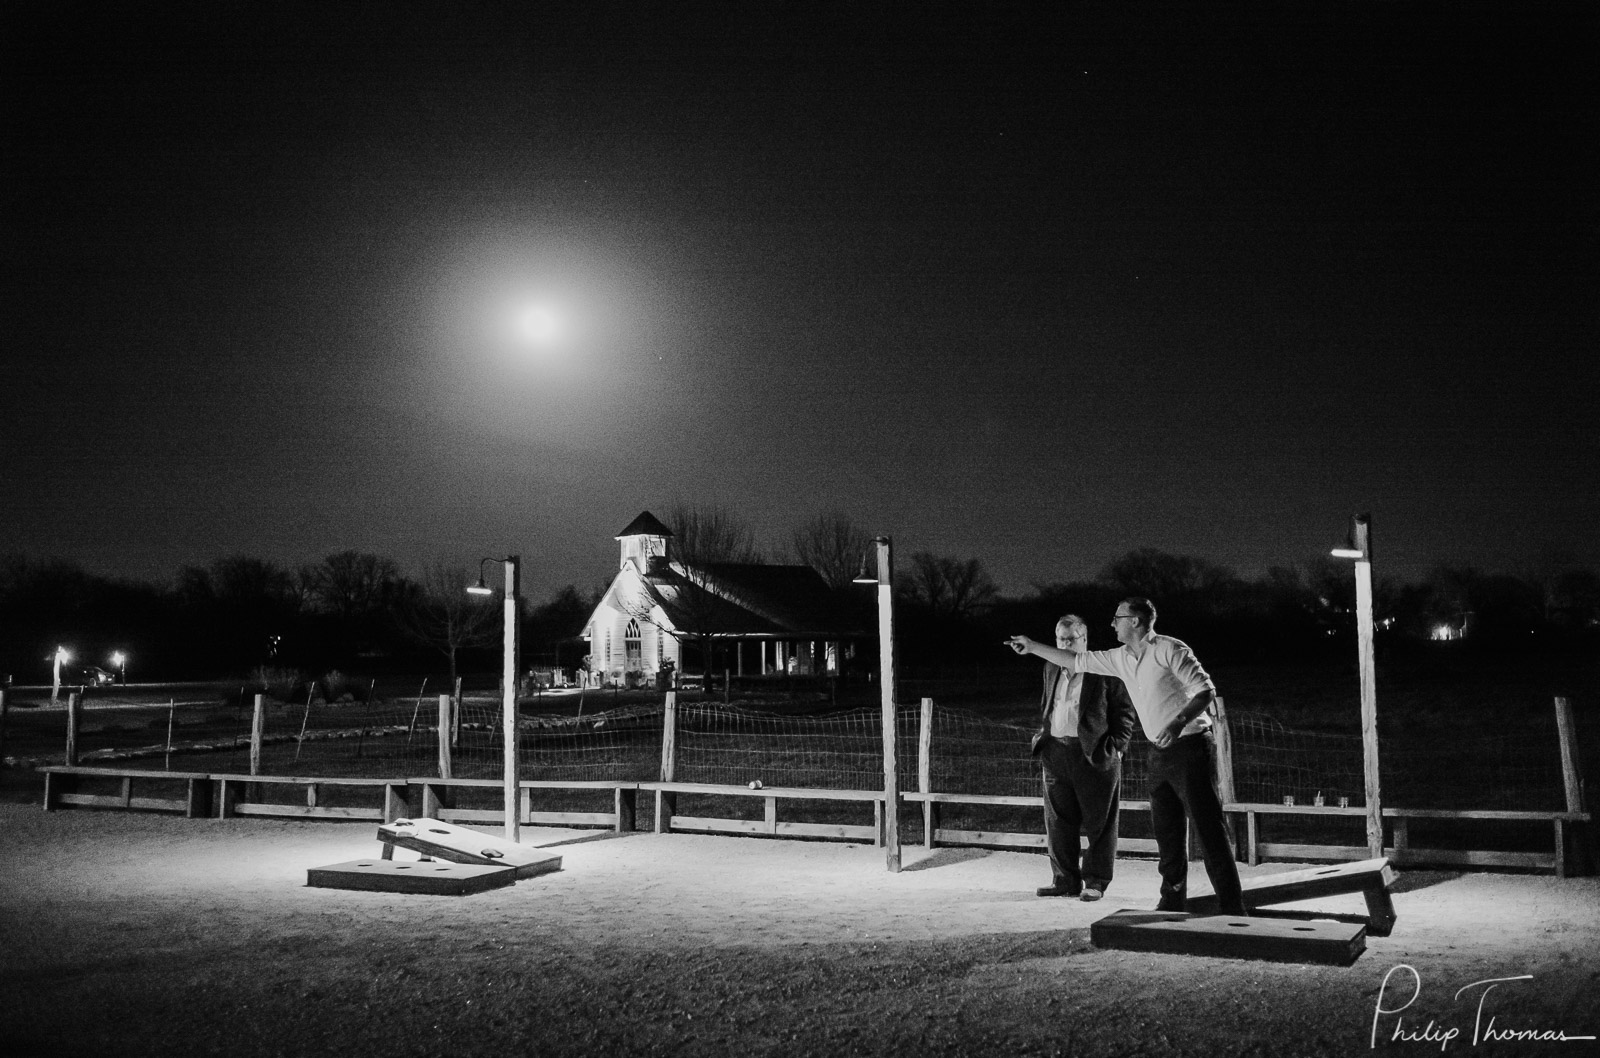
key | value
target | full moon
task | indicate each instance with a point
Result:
(538, 325)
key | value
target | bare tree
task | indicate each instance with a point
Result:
(1159, 575)
(704, 534)
(246, 607)
(441, 614)
(949, 587)
(353, 584)
(832, 545)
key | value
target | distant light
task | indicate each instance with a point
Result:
(1442, 633)
(118, 657)
(479, 588)
(1347, 552)
(538, 325)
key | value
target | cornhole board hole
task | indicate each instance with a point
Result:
(1231, 937)
(418, 876)
(1370, 878)
(438, 840)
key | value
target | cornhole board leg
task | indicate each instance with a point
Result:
(1231, 937)
(437, 840)
(1371, 878)
(388, 853)
(1380, 912)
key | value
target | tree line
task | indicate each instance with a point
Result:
(949, 609)
(240, 615)
(356, 610)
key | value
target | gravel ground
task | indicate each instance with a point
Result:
(137, 934)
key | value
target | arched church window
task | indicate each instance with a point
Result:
(634, 644)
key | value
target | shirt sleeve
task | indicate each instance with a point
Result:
(1098, 661)
(1186, 669)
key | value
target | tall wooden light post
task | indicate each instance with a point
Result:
(891, 779)
(1360, 549)
(508, 682)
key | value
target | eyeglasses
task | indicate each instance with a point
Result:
(1124, 617)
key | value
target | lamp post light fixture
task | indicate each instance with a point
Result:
(508, 680)
(1359, 548)
(884, 579)
(119, 661)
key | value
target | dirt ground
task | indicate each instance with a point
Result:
(141, 934)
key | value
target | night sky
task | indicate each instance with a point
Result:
(1033, 284)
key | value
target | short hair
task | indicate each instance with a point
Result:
(1142, 608)
(1070, 619)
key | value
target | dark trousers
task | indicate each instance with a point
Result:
(1077, 796)
(1182, 788)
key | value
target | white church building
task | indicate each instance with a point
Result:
(753, 619)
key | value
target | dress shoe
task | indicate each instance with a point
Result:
(1060, 889)
(1091, 894)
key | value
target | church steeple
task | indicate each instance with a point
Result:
(644, 538)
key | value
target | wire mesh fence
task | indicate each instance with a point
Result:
(731, 745)
(1459, 767)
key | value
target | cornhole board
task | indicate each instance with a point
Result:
(416, 876)
(1231, 937)
(1370, 878)
(437, 840)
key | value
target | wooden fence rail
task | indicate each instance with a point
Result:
(434, 797)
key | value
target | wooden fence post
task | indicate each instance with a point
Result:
(930, 813)
(1225, 787)
(74, 707)
(455, 715)
(1576, 837)
(666, 801)
(4, 680)
(445, 712)
(258, 726)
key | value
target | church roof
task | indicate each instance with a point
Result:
(753, 599)
(646, 524)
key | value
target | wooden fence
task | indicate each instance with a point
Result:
(434, 797)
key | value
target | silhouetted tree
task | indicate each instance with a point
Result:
(354, 596)
(834, 546)
(1161, 576)
(440, 613)
(948, 587)
(352, 585)
(242, 612)
(554, 626)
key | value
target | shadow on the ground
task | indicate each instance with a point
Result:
(1412, 880)
(947, 858)
(580, 839)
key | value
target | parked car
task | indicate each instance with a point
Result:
(88, 676)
